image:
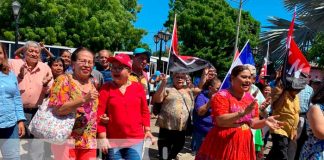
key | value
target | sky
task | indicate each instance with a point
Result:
(155, 12)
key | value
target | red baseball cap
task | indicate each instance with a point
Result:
(121, 58)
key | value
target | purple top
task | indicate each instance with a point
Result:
(203, 123)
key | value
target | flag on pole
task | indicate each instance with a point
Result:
(295, 64)
(264, 69)
(236, 55)
(245, 57)
(183, 64)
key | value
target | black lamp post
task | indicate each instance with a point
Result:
(160, 37)
(16, 8)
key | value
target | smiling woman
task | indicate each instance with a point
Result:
(11, 110)
(77, 94)
(234, 112)
(123, 103)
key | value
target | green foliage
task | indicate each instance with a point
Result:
(207, 29)
(316, 53)
(74, 23)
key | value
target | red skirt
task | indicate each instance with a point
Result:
(227, 144)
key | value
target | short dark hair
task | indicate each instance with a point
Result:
(238, 69)
(58, 59)
(210, 82)
(62, 51)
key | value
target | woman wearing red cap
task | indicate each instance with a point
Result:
(124, 103)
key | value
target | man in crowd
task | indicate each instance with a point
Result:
(295, 147)
(140, 61)
(104, 66)
(34, 79)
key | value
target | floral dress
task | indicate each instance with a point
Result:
(313, 148)
(230, 143)
(85, 127)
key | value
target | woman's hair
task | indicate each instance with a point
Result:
(62, 51)
(51, 61)
(319, 95)
(211, 82)
(238, 69)
(4, 67)
(75, 54)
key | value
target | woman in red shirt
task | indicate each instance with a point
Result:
(124, 103)
(234, 112)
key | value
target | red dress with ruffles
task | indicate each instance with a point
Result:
(223, 143)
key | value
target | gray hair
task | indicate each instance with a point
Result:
(31, 44)
(252, 69)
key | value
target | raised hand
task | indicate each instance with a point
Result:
(163, 77)
(266, 103)
(255, 93)
(41, 44)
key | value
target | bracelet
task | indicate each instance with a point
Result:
(147, 131)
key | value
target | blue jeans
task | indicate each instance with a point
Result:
(197, 139)
(133, 152)
(9, 143)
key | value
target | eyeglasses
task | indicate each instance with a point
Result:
(84, 62)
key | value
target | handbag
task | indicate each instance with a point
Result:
(50, 127)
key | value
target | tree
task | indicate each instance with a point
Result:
(74, 23)
(310, 22)
(207, 29)
(316, 53)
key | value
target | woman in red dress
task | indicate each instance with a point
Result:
(234, 112)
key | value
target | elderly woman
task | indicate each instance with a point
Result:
(177, 103)
(314, 146)
(234, 112)
(77, 94)
(57, 66)
(11, 110)
(124, 103)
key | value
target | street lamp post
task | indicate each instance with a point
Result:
(16, 9)
(160, 37)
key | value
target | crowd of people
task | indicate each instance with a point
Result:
(114, 98)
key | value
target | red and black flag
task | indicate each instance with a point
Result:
(183, 64)
(296, 67)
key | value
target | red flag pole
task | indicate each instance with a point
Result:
(172, 39)
(289, 37)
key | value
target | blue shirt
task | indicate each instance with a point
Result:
(11, 108)
(305, 96)
(202, 123)
(106, 75)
